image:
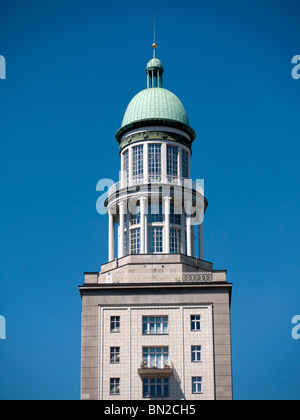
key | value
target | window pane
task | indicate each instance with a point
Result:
(175, 215)
(172, 160)
(185, 164)
(154, 159)
(138, 161)
(135, 241)
(155, 213)
(175, 241)
(155, 243)
(126, 164)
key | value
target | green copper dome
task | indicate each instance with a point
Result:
(155, 103)
(155, 63)
(155, 106)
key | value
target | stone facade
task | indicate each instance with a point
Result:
(178, 301)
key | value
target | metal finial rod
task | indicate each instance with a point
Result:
(154, 35)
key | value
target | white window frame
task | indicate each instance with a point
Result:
(156, 324)
(172, 161)
(115, 355)
(155, 159)
(155, 240)
(196, 354)
(156, 357)
(115, 386)
(138, 161)
(185, 164)
(197, 385)
(195, 322)
(126, 164)
(114, 322)
(135, 241)
(175, 240)
(155, 384)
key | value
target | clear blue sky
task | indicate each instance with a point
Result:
(72, 68)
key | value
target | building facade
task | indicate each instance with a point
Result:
(156, 318)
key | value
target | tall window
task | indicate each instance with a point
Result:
(157, 357)
(115, 355)
(154, 159)
(115, 324)
(196, 323)
(155, 325)
(135, 219)
(155, 213)
(155, 240)
(196, 354)
(135, 241)
(126, 164)
(185, 164)
(175, 214)
(172, 161)
(115, 386)
(155, 388)
(138, 161)
(175, 241)
(197, 385)
(126, 250)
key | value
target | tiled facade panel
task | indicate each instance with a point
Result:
(131, 307)
(179, 340)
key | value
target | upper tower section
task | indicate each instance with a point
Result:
(156, 107)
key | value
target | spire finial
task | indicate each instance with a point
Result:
(154, 43)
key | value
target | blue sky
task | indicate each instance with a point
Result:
(72, 68)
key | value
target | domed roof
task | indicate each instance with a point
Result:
(155, 103)
(155, 63)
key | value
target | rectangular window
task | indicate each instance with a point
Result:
(126, 164)
(138, 161)
(175, 214)
(154, 159)
(135, 241)
(156, 357)
(197, 385)
(196, 354)
(185, 164)
(175, 241)
(115, 355)
(172, 161)
(115, 386)
(196, 323)
(155, 325)
(155, 213)
(115, 324)
(126, 251)
(155, 388)
(155, 240)
(135, 218)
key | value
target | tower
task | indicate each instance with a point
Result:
(156, 318)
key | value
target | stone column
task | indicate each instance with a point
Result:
(111, 237)
(143, 202)
(146, 162)
(164, 162)
(189, 250)
(122, 207)
(167, 210)
(183, 227)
